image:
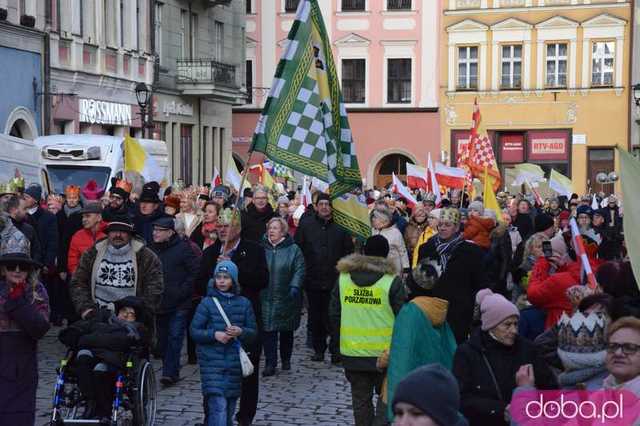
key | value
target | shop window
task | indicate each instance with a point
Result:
(398, 4)
(467, 67)
(186, 153)
(399, 81)
(290, 6)
(556, 65)
(353, 5)
(511, 67)
(353, 80)
(602, 56)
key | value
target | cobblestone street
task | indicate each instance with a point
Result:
(310, 394)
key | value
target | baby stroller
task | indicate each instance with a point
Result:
(134, 388)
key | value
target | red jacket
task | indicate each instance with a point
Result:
(549, 291)
(82, 241)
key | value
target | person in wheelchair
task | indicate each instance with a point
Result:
(102, 344)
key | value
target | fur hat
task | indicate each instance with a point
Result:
(582, 340)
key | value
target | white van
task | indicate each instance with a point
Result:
(76, 159)
(22, 155)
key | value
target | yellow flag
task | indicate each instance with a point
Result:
(137, 160)
(490, 201)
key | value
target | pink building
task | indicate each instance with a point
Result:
(386, 55)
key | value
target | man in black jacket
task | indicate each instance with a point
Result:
(253, 277)
(256, 216)
(457, 267)
(323, 243)
(15, 206)
(179, 268)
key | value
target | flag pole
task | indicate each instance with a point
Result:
(464, 185)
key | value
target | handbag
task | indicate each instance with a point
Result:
(245, 362)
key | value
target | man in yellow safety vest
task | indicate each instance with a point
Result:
(363, 306)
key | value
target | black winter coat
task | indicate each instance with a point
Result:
(67, 226)
(142, 223)
(499, 259)
(253, 275)
(459, 283)
(479, 399)
(46, 226)
(323, 243)
(31, 235)
(180, 266)
(254, 222)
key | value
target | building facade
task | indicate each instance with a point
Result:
(634, 105)
(22, 36)
(551, 78)
(98, 51)
(200, 78)
(386, 52)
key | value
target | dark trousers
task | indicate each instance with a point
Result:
(363, 384)
(270, 341)
(171, 330)
(191, 345)
(319, 319)
(250, 385)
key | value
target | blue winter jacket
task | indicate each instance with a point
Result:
(220, 369)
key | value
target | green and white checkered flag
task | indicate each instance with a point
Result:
(304, 123)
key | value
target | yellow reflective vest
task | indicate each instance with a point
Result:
(366, 319)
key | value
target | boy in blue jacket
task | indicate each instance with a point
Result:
(218, 345)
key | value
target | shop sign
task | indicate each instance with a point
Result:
(103, 112)
(177, 108)
(548, 146)
(512, 148)
(460, 139)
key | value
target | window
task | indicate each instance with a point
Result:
(290, 6)
(76, 17)
(247, 5)
(57, 6)
(467, 67)
(511, 67)
(353, 80)
(138, 29)
(186, 153)
(248, 75)
(398, 4)
(193, 36)
(181, 33)
(219, 41)
(399, 81)
(121, 23)
(602, 63)
(353, 5)
(557, 65)
(158, 31)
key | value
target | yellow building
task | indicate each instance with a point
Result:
(551, 78)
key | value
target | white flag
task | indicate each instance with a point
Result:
(399, 188)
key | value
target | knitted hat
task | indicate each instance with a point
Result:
(494, 309)
(582, 340)
(14, 246)
(91, 191)
(283, 200)
(564, 215)
(34, 191)
(558, 245)
(543, 222)
(450, 214)
(227, 267)
(477, 206)
(376, 245)
(434, 391)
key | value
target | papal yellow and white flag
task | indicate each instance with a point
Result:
(137, 160)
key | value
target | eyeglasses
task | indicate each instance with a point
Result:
(17, 267)
(259, 198)
(627, 348)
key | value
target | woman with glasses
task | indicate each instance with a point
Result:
(623, 355)
(494, 361)
(24, 319)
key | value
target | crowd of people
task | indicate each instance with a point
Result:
(445, 313)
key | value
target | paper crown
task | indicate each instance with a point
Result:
(229, 217)
(55, 198)
(124, 185)
(16, 184)
(72, 190)
(203, 190)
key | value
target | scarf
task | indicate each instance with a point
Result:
(132, 331)
(446, 248)
(208, 229)
(569, 379)
(68, 211)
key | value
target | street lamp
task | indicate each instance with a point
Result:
(143, 95)
(636, 94)
(604, 178)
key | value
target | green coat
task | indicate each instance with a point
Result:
(421, 336)
(281, 312)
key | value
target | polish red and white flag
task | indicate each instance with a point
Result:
(216, 179)
(432, 182)
(402, 190)
(451, 177)
(416, 177)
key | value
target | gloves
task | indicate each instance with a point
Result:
(294, 293)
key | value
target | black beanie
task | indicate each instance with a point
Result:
(323, 196)
(376, 246)
(543, 222)
(434, 391)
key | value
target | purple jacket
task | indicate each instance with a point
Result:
(23, 321)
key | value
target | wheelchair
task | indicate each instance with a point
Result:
(135, 395)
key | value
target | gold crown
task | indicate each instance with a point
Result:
(72, 190)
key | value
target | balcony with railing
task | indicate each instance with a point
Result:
(207, 77)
